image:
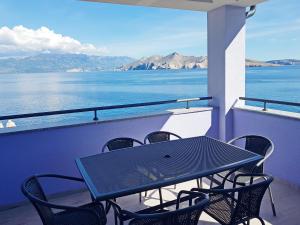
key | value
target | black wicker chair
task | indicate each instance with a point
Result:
(259, 145)
(119, 143)
(157, 216)
(160, 136)
(92, 214)
(237, 205)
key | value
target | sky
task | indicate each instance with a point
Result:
(72, 26)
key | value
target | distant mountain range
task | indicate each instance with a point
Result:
(43, 63)
(285, 62)
(172, 61)
(177, 61)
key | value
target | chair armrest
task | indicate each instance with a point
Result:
(63, 177)
(228, 193)
(210, 191)
(251, 176)
(60, 207)
(191, 195)
(176, 135)
(269, 153)
(92, 215)
(235, 139)
(229, 174)
(124, 215)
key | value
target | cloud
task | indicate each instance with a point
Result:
(21, 41)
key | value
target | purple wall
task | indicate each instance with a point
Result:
(283, 131)
(54, 150)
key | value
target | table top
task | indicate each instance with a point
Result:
(133, 170)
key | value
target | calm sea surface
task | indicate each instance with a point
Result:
(28, 93)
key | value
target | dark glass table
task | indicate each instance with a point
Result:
(133, 170)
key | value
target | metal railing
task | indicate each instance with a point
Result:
(101, 108)
(265, 101)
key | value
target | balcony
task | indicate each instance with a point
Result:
(53, 150)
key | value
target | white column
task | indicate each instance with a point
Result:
(226, 62)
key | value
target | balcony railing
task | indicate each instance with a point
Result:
(102, 108)
(265, 101)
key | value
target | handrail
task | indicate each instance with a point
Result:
(95, 109)
(265, 101)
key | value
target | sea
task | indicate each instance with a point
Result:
(42, 92)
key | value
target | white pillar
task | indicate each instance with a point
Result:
(226, 62)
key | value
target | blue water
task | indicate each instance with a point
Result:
(28, 93)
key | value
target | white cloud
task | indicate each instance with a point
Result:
(21, 40)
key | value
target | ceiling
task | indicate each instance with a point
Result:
(196, 5)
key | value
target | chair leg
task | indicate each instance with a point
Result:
(198, 183)
(140, 197)
(261, 220)
(272, 201)
(174, 186)
(211, 181)
(145, 193)
(116, 219)
(160, 196)
(107, 207)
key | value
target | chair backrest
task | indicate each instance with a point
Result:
(249, 199)
(186, 216)
(160, 136)
(32, 189)
(119, 143)
(257, 144)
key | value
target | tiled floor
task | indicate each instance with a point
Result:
(287, 205)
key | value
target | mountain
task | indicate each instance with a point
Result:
(256, 63)
(43, 63)
(62, 63)
(285, 62)
(177, 61)
(172, 61)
